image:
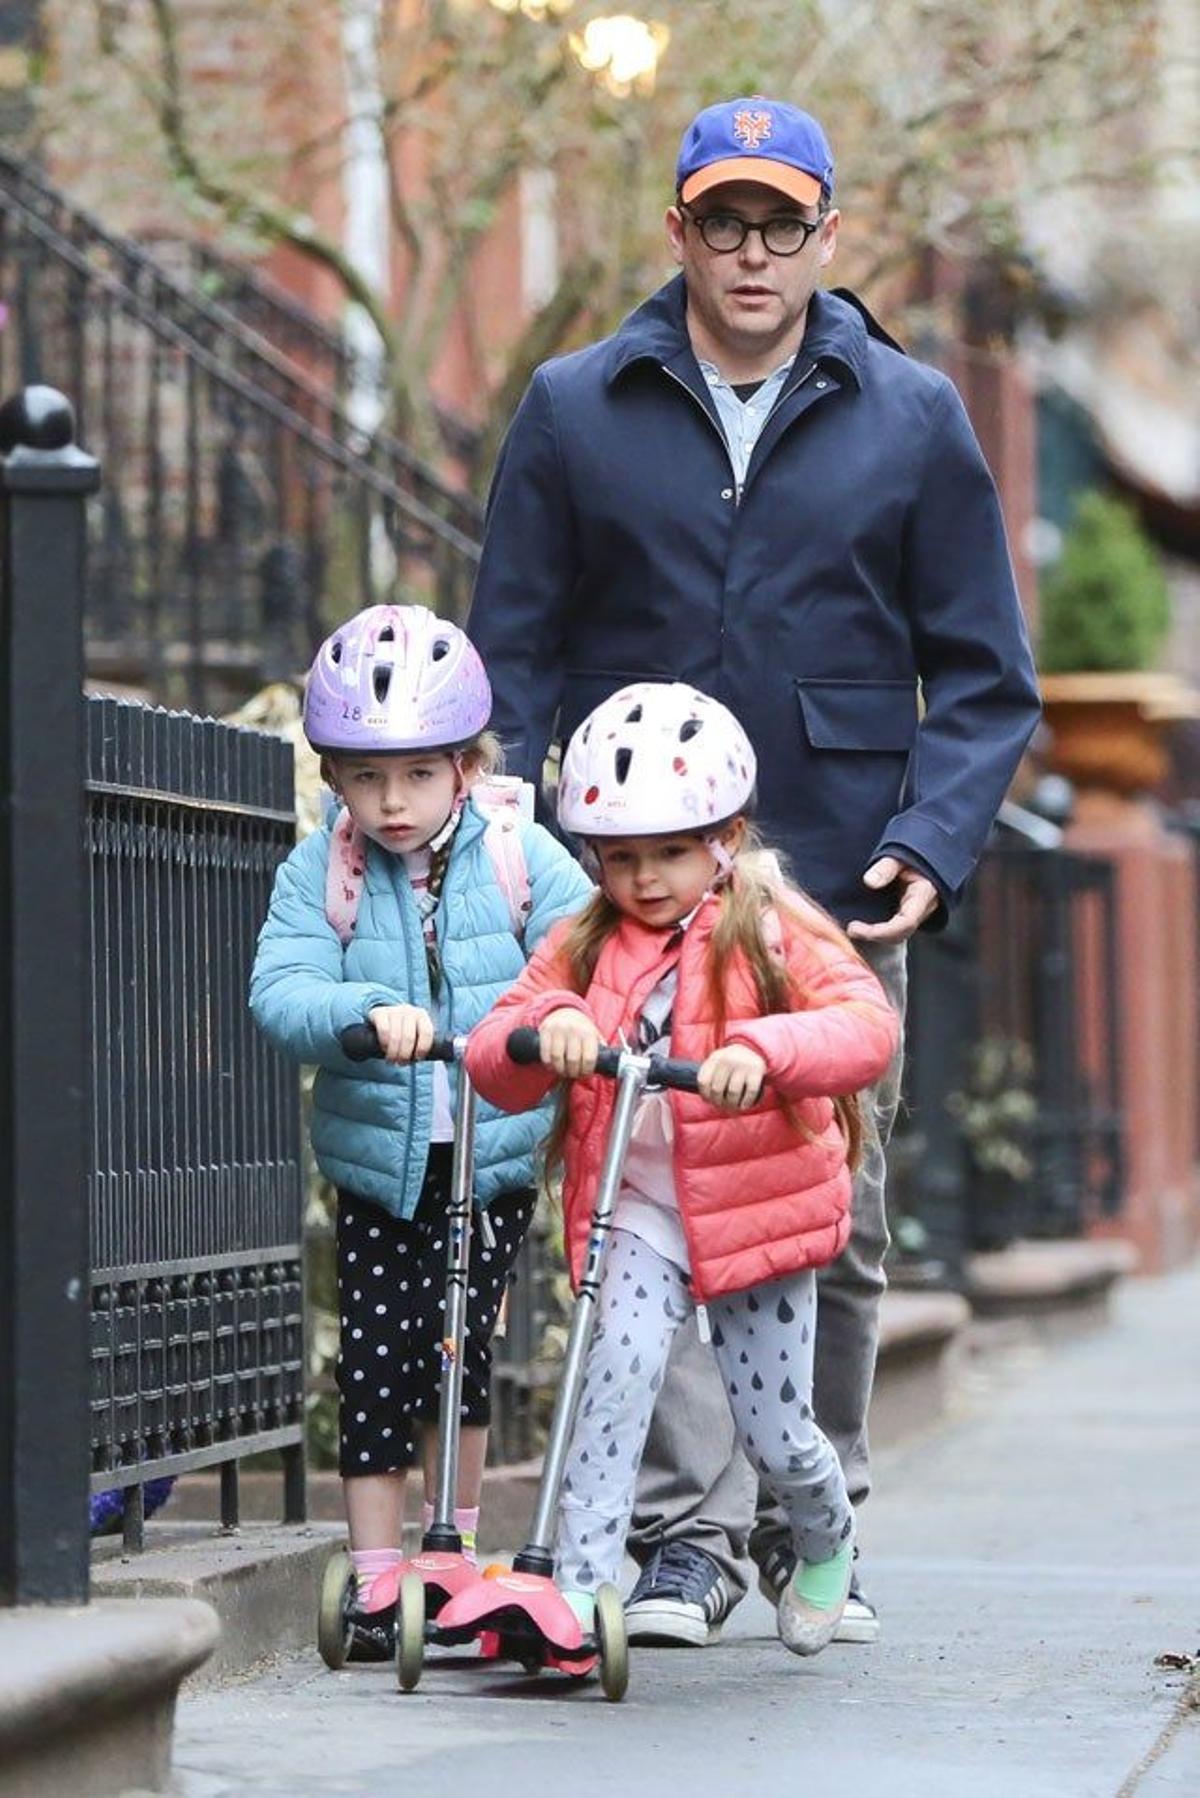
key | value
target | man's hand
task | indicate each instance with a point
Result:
(405, 1032)
(919, 899)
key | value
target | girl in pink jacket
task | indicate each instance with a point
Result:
(694, 946)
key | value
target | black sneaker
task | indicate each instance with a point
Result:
(681, 1599)
(373, 1634)
(859, 1622)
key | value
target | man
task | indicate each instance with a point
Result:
(750, 488)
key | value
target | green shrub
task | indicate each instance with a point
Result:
(1105, 606)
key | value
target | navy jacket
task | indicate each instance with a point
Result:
(863, 576)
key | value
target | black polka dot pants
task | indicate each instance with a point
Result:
(392, 1296)
(762, 1340)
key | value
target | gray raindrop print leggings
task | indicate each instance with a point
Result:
(762, 1341)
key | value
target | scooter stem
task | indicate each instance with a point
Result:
(442, 1536)
(631, 1081)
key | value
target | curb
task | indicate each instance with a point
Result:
(87, 1694)
(263, 1582)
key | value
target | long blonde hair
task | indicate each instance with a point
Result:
(756, 886)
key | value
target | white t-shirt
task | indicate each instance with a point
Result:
(646, 1203)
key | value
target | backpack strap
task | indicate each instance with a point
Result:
(507, 802)
(344, 876)
(504, 801)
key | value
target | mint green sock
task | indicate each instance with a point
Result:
(822, 1584)
(584, 1606)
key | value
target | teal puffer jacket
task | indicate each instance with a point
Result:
(371, 1122)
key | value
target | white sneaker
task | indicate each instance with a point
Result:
(859, 1622)
(680, 1600)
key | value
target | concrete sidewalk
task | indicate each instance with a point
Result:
(1031, 1560)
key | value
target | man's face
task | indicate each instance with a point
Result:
(748, 299)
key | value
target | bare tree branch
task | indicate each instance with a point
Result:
(275, 222)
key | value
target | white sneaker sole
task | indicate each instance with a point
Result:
(668, 1626)
(857, 1629)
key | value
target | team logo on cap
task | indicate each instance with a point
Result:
(750, 128)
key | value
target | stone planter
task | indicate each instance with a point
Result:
(1109, 730)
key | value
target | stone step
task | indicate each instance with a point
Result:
(87, 1694)
(1055, 1288)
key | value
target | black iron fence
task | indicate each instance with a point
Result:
(243, 511)
(195, 1183)
(1011, 1125)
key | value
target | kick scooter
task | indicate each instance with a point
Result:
(521, 1615)
(424, 1583)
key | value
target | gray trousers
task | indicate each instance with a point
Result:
(762, 1347)
(695, 1484)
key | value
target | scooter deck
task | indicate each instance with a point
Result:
(520, 1617)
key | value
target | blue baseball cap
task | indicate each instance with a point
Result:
(756, 139)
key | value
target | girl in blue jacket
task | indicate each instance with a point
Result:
(414, 910)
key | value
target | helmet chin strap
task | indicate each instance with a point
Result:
(442, 835)
(722, 857)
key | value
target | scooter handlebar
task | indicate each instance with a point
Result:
(360, 1042)
(524, 1047)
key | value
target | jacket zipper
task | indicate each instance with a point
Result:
(739, 487)
(710, 420)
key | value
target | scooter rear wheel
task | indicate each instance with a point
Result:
(334, 1631)
(613, 1643)
(410, 1631)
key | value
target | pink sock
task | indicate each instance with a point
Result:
(426, 1519)
(369, 1565)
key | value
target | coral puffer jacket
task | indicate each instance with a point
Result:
(758, 1197)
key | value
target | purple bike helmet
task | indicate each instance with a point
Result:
(395, 678)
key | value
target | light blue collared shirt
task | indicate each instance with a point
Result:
(742, 420)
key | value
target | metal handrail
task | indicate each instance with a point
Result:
(326, 447)
(34, 197)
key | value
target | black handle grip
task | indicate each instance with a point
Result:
(524, 1048)
(360, 1042)
(684, 1076)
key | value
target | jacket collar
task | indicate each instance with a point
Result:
(836, 334)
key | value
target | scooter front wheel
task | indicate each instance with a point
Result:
(612, 1643)
(334, 1630)
(410, 1631)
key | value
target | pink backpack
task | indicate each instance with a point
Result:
(503, 798)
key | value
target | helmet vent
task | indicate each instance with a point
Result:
(440, 649)
(688, 729)
(387, 634)
(624, 757)
(335, 650)
(635, 716)
(381, 680)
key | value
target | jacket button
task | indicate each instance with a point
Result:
(727, 493)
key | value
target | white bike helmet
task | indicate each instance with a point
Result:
(654, 759)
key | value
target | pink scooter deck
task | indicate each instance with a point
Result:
(544, 1620)
(444, 1574)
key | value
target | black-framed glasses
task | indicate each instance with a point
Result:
(724, 232)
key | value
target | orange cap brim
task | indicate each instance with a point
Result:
(762, 170)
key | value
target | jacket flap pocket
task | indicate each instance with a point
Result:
(859, 714)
